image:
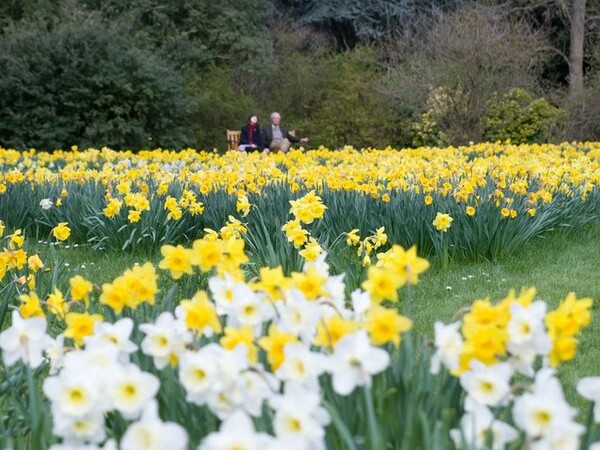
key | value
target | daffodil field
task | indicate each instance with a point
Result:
(272, 305)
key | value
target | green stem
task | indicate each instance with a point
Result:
(36, 413)
(409, 299)
(585, 442)
(340, 426)
(444, 251)
(374, 436)
(4, 306)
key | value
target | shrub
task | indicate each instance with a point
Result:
(522, 118)
(471, 54)
(216, 106)
(442, 103)
(87, 86)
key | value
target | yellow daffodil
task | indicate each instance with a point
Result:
(80, 289)
(200, 314)
(385, 325)
(442, 222)
(62, 231)
(274, 343)
(80, 325)
(177, 260)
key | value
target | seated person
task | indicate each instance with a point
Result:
(278, 138)
(251, 137)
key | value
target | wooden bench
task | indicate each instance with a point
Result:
(233, 138)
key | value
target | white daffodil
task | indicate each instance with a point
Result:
(354, 361)
(298, 413)
(224, 399)
(25, 340)
(46, 203)
(543, 412)
(522, 358)
(526, 324)
(78, 390)
(130, 390)
(198, 372)
(298, 316)
(56, 354)
(336, 288)
(319, 264)
(248, 308)
(527, 336)
(101, 358)
(448, 344)
(222, 292)
(88, 428)
(113, 334)
(361, 302)
(225, 395)
(232, 363)
(476, 426)
(236, 432)
(566, 437)
(301, 365)
(488, 385)
(151, 433)
(165, 340)
(74, 394)
(536, 415)
(256, 386)
(589, 388)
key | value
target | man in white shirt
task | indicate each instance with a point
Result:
(279, 138)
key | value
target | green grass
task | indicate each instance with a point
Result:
(98, 267)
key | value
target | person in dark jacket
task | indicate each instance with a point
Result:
(251, 137)
(278, 138)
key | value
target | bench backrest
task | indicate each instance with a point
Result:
(233, 139)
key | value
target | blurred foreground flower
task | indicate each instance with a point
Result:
(26, 339)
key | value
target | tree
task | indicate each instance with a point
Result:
(351, 22)
(90, 86)
(464, 59)
(194, 34)
(576, 52)
(13, 12)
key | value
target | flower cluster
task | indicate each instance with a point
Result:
(237, 349)
(145, 198)
(503, 355)
(564, 324)
(15, 260)
(305, 210)
(366, 246)
(394, 269)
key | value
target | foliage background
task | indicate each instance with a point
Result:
(172, 74)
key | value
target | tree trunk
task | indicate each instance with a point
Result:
(576, 52)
